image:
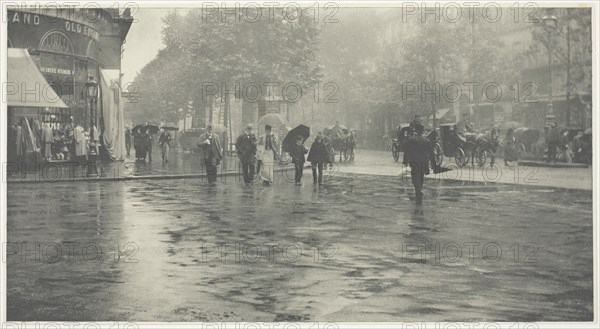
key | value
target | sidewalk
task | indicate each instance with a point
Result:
(552, 164)
(380, 163)
(181, 165)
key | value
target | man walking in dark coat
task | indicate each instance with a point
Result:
(212, 153)
(318, 156)
(297, 153)
(417, 154)
(246, 150)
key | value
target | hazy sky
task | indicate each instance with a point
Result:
(143, 42)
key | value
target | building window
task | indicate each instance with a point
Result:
(92, 49)
(56, 41)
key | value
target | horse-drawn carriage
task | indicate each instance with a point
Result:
(527, 140)
(342, 143)
(404, 133)
(465, 146)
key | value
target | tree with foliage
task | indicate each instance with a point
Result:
(203, 47)
(571, 44)
(433, 49)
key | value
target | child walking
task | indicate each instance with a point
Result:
(297, 153)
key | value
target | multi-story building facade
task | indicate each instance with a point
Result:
(70, 47)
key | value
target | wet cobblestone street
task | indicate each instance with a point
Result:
(355, 249)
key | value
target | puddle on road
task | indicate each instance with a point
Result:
(356, 249)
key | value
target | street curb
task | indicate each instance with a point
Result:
(552, 165)
(129, 178)
(349, 174)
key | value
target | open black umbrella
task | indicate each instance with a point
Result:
(290, 138)
(169, 128)
(137, 130)
(151, 129)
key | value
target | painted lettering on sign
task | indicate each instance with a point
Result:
(25, 18)
(54, 70)
(82, 29)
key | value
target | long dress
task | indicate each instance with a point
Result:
(267, 152)
(80, 141)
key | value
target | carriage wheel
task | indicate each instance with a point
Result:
(346, 155)
(395, 154)
(439, 156)
(460, 158)
(481, 155)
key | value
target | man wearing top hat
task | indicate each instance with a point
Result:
(246, 146)
(418, 152)
(212, 153)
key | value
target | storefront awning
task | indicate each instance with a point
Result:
(26, 86)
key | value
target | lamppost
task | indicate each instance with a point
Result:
(92, 96)
(550, 22)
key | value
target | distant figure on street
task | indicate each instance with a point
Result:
(128, 140)
(246, 146)
(494, 133)
(415, 122)
(337, 132)
(297, 153)
(268, 153)
(577, 147)
(565, 147)
(212, 153)
(553, 141)
(149, 140)
(417, 154)
(318, 156)
(138, 145)
(329, 146)
(510, 147)
(47, 140)
(165, 144)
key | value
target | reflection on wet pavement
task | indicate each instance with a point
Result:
(356, 249)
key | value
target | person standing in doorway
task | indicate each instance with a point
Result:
(212, 153)
(246, 146)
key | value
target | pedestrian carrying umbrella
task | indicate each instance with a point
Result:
(290, 138)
